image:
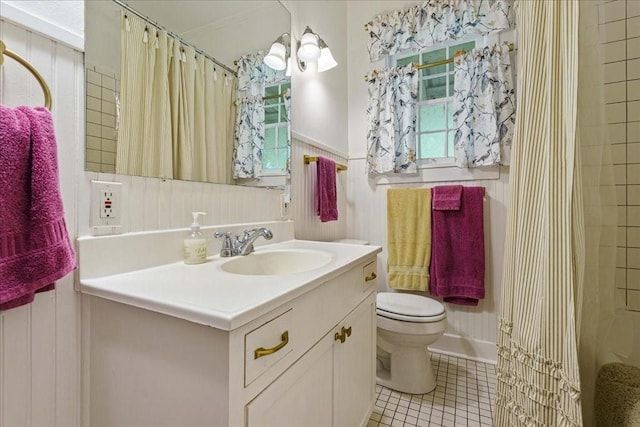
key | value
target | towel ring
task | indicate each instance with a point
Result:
(45, 89)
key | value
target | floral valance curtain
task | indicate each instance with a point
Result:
(254, 74)
(436, 21)
(391, 117)
(249, 138)
(484, 107)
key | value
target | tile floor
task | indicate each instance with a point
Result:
(463, 396)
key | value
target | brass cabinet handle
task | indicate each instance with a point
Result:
(370, 278)
(343, 334)
(259, 352)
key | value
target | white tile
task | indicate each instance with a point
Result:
(621, 258)
(633, 48)
(612, 31)
(633, 279)
(620, 174)
(633, 8)
(633, 300)
(615, 51)
(633, 237)
(633, 70)
(621, 278)
(612, 11)
(617, 133)
(616, 113)
(633, 111)
(633, 195)
(633, 258)
(633, 90)
(633, 27)
(615, 92)
(633, 132)
(633, 174)
(93, 77)
(619, 154)
(620, 298)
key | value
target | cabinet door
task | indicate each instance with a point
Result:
(354, 361)
(302, 396)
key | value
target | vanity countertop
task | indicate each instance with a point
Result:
(206, 294)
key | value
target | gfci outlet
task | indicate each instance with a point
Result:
(106, 200)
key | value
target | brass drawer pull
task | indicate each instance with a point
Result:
(370, 278)
(259, 352)
(343, 334)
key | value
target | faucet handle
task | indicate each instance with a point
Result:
(227, 243)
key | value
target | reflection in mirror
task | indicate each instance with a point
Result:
(168, 85)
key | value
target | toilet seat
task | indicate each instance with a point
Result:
(409, 307)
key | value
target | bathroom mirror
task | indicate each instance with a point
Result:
(222, 30)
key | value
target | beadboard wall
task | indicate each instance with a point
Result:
(39, 361)
(471, 331)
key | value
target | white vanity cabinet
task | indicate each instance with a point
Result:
(331, 385)
(307, 362)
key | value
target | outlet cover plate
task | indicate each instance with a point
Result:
(106, 208)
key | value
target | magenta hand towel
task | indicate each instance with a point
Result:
(35, 250)
(326, 196)
(457, 250)
(446, 197)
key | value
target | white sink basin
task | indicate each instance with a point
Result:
(277, 262)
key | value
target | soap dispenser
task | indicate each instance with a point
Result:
(195, 245)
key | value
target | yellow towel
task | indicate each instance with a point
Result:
(409, 238)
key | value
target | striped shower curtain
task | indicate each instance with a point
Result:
(179, 108)
(538, 375)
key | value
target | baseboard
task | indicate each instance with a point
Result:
(467, 348)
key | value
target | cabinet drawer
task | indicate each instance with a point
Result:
(266, 345)
(369, 273)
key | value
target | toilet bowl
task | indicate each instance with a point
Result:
(406, 325)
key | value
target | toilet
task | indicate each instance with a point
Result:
(407, 324)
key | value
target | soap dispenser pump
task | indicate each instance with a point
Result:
(195, 245)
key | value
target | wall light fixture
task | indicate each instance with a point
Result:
(311, 48)
(278, 55)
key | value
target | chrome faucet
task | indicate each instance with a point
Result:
(233, 245)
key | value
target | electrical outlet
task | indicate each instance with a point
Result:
(106, 200)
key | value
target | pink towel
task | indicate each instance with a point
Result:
(446, 197)
(457, 250)
(326, 201)
(35, 250)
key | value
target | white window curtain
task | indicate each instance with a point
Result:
(436, 21)
(249, 138)
(484, 107)
(254, 74)
(391, 116)
(182, 124)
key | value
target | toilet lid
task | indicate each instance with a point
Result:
(408, 307)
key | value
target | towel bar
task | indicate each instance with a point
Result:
(311, 159)
(32, 70)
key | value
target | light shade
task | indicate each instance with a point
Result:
(309, 49)
(326, 60)
(277, 56)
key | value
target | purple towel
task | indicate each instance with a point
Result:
(446, 197)
(35, 250)
(457, 250)
(326, 198)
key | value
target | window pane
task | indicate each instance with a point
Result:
(451, 83)
(270, 138)
(434, 56)
(282, 158)
(434, 88)
(271, 90)
(282, 136)
(271, 115)
(450, 145)
(269, 159)
(407, 60)
(432, 145)
(432, 118)
(283, 114)
(450, 114)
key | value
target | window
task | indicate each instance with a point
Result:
(276, 131)
(434, 130)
